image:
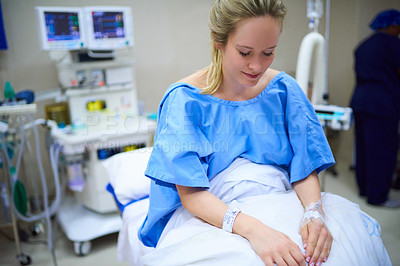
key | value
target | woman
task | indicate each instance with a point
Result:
(235, 111)
(376, 106)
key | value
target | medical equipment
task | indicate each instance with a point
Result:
(79, 77)
(100, 90)
(314, 51)
(61, 28)
(9, 216)
(108, 27)
(312, 42)
(58, 112)
(20, 111)
(104, 121)
(314, 13)
(92, 213)
(93, 27)
(335, 117)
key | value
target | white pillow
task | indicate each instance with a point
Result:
(126, 173)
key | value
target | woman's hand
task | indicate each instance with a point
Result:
(271, 245)
(317, 241)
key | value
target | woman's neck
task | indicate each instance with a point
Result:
(232, 92)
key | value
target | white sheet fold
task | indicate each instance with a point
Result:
(356, 235)
(262, 192)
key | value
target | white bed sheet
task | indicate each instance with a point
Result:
(130, 248)
(263, 192)
(356, 235)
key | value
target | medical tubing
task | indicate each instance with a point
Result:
(54, 154)
(22, 145)
(313, 213)
(327, 33)
(4, 147)
(47, 213)
(40, 121)
(54, 157)
(55, 203)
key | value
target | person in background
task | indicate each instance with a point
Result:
(376, 106)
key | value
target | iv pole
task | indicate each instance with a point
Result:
(327, 27)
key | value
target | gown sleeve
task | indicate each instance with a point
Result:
(311, 150)
(180, 148)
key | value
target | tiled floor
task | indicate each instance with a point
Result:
(104, 249)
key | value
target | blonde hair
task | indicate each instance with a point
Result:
(224, 16)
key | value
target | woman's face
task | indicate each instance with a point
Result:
(249, 51)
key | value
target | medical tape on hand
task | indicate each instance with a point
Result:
(313, 211)
(229, 217)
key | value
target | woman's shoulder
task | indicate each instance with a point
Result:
(197, 79)
(271, 74)
(273, 78)
(285, 85)
(185, 90)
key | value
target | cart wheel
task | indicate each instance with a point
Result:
(82, 248)
(24, 259)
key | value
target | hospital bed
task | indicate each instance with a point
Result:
(130, 189)
(194, 242)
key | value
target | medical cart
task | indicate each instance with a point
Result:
(7, 217)
(104, 117)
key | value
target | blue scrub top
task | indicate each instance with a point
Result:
(377, 62)
(199, 135)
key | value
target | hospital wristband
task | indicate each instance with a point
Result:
(229, 218)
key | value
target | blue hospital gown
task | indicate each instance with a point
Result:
(199, 135)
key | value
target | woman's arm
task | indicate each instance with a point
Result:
(316, 237)
(271, 245)
(308, 189)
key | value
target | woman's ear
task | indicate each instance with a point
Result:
(218, 46)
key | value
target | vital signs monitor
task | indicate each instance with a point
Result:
(91, 27)
(61, 28)
(108, 27)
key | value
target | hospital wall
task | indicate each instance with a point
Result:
(171, 41)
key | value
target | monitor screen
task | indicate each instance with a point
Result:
(109, 28)
(108, 25)
(61, 28)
